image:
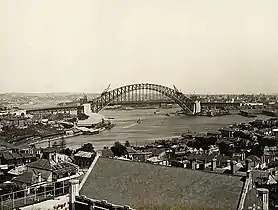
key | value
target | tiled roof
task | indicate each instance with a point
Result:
(254, 158)
(26, 155)
(26, 178)
(16, 155)
(41, 164)
(132, 183)
(64, 167)
(7, 156)
(49, 165)
(131, 150)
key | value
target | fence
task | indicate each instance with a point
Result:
(33, 195)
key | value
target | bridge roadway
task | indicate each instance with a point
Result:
(157, 102)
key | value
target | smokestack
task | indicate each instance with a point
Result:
(193, 164)
(264, 194)
(242, 155)
(74, 191)
(233, 167)
(248, 164)
(229, 164)
(39, 177)
(213, 164)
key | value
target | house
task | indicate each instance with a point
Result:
(156, 160)
(199, 160)
(252, 161)
(28, 158)
(136, 155)
(226, 132)
(141, 156)
(6, 158)
(84, 159)
(133, 184)
(27, 179)
(51, 170)
(263, 178)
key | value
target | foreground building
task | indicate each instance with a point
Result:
(112, 182)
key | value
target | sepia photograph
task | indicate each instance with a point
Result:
(138, 105)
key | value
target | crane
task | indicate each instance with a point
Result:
(177, 91)
(106, 90)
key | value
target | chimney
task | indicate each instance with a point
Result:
(264, 194)
(213, 164)
(249, 174)
(242, 155)
(74, 191)
(39, 177)
(228, 164)
(248, 164)
(193, 164)
(233, 167)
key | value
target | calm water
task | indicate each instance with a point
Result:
(152, 127)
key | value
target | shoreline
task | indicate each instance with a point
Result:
(68, 136)
(55, 138)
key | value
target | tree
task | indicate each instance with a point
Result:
(127, 144)
(67, 152)
(88, 148)
(118, 149)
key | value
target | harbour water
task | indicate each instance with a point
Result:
(152, 127)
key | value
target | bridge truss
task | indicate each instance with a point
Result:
(142, 92)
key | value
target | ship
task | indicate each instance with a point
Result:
(270, 113)
(210, 113)
(246, 114)
(89, 131)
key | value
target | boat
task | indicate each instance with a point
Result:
(66, 124)
(101, 129)
(246, 114)
(210, 113)
(88, 131)
(109, 126)
(269, 113)
(92, 131)
(157, 111)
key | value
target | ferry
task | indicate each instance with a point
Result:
(246, 114)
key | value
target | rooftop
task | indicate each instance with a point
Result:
(133, 183)
(84, 154)
(58, 168)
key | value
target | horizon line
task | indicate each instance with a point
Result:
(68, 92)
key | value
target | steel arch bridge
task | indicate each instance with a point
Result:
(108, 97)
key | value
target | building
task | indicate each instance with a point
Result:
(47, 170)
(132, 184)
(84, 159)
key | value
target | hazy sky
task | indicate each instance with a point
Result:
(201, 46)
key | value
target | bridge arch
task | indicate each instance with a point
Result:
(108, 97)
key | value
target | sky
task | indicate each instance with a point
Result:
(201, 46)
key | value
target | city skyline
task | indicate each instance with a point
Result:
(201, 47)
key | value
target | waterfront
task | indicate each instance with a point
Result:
(152, 127)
